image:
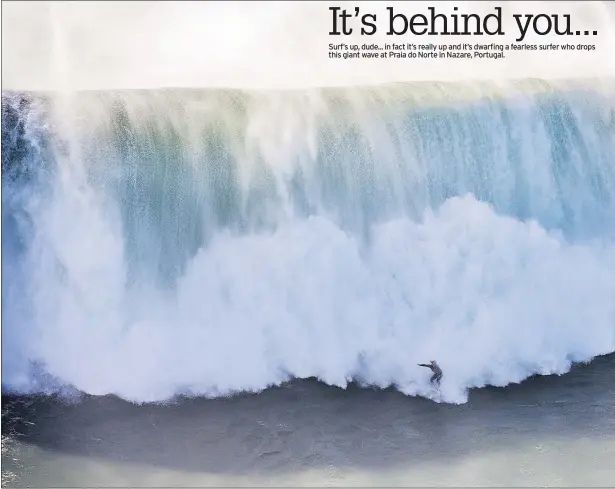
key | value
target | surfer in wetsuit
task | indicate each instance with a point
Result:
(435, 368)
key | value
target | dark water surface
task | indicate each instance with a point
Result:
(555, 430)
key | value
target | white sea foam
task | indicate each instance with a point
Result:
(494, 300)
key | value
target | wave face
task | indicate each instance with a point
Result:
(209, 242)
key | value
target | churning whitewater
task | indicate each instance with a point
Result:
(207, 242)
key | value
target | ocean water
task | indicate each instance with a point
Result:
(548, 431)
(185, 244)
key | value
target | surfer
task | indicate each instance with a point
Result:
(435, 368)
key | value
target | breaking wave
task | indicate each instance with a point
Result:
(207, 242)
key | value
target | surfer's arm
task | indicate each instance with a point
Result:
(424, 365)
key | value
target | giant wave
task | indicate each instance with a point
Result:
(207, 242)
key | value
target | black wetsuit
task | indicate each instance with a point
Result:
(437, 371)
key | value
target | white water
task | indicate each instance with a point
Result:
(171, 249)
